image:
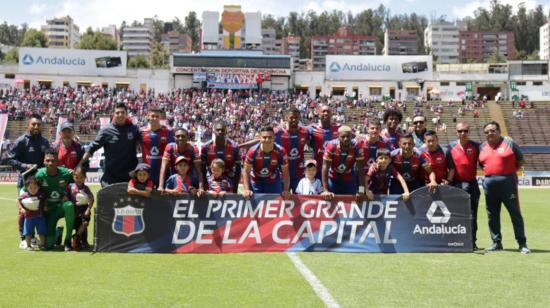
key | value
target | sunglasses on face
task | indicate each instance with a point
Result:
(462, 131)
(418, 122)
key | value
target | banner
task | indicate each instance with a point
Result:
(57, 61)
(3, 126)
(439, 222)
(60, 122)
(234, 81)
(391, 68)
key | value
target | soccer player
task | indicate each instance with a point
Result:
(263, 166)
(373, 143)
(181, 147)
(293, 138)
(435, 156)
(408, 163)
(419, 132)
(27, 155)
(320, 134)
(462, 159)
(341, 156)
(120, 139)
(225, 149)
(500, 159)
(54, 180)
(391, 133)
(69, 151)
(154, 138)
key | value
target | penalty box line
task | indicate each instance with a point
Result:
(317, 286)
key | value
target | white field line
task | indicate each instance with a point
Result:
(314, 282)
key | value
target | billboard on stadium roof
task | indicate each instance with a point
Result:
(72, 62)
(348, 67)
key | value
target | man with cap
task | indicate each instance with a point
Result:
(26, 156)
(419, 123)
(339, 165)
(69, 151)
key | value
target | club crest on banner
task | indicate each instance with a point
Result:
(128, 220)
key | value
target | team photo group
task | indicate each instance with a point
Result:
(325, 158)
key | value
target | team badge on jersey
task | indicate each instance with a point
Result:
(294, 152)
(341, 168)
(264, 172)
(154, 151)
(130, 136)
(128, 221)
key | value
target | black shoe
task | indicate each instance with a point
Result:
(495, 247)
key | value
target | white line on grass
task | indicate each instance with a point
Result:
(9, 199)
(314, 282)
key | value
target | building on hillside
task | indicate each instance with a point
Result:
(270, 44)
(441, 39)
(344, 42)
(138, 40)
(177, 42)
(290, 45)
(544, 41)
(400, 42)
(61, 32)
(112, 32)
(479, 46)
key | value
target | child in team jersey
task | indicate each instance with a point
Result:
(218, 183)
(182, 182)
(33, 204)
(83, 199)
(381, 173)
(140, 183)
(310, 184)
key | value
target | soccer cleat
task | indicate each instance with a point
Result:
(84, 244)
(23, 244)
(524, 250)
(34, 242)
(495, 247)
(75, 243)
(68, 246)
(29, 248)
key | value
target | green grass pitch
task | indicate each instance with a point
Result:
(54, 279)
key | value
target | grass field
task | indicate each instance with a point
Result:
(507, 278)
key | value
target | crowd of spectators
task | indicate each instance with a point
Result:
(244, 111)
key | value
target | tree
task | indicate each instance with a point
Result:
(12, 56)
(192, 27)
(496, 57)
(159, 55)
(34, 38)
(158, 28)
(139, 61)
(96, 40)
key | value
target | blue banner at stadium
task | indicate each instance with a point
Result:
(439, 222)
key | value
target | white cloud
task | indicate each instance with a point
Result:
(470, 8)
(37, 8)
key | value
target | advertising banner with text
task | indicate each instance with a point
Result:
(53, 61)
(378, 67)
(428, 222)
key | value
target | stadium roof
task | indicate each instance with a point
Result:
(231, 54)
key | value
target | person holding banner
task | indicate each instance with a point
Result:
(263, 166)
(120, 140)
(339, 162)
(154, 139)
(26, 156)
(462, 159)
(500, 159)
(293, 138)
(373, 143)
(181, 147)
(69, 151)
(320, 134)
(409, 163)
(435, 156)
(225, 149)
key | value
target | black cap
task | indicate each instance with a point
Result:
(141, 167)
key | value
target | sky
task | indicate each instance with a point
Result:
(99, 13)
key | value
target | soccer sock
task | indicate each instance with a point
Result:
(68, 208)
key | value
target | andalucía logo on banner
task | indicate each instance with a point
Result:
(439, 223)
(128, 220)
(27, 59)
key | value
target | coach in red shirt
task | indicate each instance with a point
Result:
(69, 151)
(501, 158)
(462, 160)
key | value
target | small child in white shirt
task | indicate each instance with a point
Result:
(309, 184)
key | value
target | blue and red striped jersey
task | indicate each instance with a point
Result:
(266, 166)
(293, 143)
(153, 144)
(319, 137)
(342, 162)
